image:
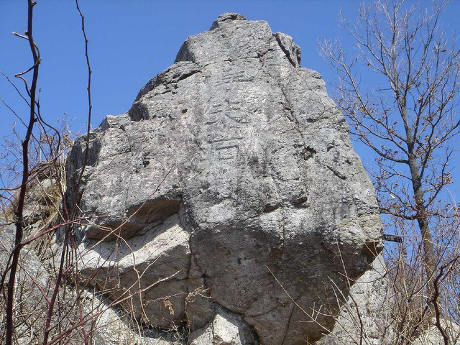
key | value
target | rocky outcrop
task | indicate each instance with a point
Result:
(103, 323)
(32, 286)
(228, 193)
(433, 336)
(365, 316)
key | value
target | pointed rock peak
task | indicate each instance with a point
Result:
(231, 38)
(226, 17)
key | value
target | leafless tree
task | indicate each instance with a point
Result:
(399, 91)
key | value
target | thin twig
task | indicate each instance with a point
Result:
(25, 174)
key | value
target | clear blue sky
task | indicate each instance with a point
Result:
(131, 41)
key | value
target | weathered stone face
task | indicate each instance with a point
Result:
(233, 174)
(366, 316)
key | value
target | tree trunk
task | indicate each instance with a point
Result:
(422, 220)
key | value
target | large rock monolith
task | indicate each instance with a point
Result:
(230, 186)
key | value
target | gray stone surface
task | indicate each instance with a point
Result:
(225, 329)
(115, 327)
(32, 285)
(432, 336)
(233, 175)
(365, 317)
